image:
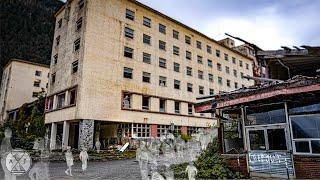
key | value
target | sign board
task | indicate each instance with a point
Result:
(271, 164)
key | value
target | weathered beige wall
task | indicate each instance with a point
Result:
(101, 79)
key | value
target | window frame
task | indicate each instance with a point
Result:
(293, 140)
(162, 63)
(199, 45)
(162, 28)
(176, 67)
(128, 32)
(74, 66)
(146, 77)
(176, 84)
(146, 39)
(163, 79)
(76, 44)
(146, 21)
(175, 50)
(146, 58)
(175, 34)
(126, 71)
(79, 24)
(130, 14)
(187, 39)
(128, 52)
(162, 45)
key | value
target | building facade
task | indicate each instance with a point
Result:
(22, 81)
(122, 69)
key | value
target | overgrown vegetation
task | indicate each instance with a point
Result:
(28, 126)
(26, 30)
(210, 165)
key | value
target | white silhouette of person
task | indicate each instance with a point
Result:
(5, 150)
(192, 171)
(98, 146)
(84, 157)
(40, 170)
(69, 159)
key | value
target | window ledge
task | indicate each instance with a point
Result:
(57, 109)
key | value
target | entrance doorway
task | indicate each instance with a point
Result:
(269, 155)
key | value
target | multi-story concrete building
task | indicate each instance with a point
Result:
(122, 69)
(22, 81)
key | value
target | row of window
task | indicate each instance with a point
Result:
(129, 33)
(146, 104)
(143, 130)
(175, 34)
(146, 77)
(60, 100)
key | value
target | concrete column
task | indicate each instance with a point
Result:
(53, 136)
(153, 130)
(154, 104)
(184, 108)
(170, 106)
(136, 101)
(86, 131)
(65, 135)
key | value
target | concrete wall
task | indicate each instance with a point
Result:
(100, 80)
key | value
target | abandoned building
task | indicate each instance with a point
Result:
(273, 129)
(121, 69)
(22, 81)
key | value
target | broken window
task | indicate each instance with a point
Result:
(36, 83)
(162, 45)
(146, 21)
(199, 59)
(176, 50)
(201, 90)
(145, 102)
(209, 62)
(188, 55)
(176, 67)
(189, 87)
(147, 58)
(177, 107)
(57, 41)
(130, 14)
(127, 72)
(188, 40)
(210, 77)
(162, 63)
(228, 83)
(77, 44)
(162, 28)
(61, 100)
(53, 78)
(200, 74)
(128, 52)
(162, 105)
(49, 103)
(189, 71)
(219, 67)
(190, 109)
(176, 84)
(162, 81)
(38, 73)
(199, 45)
(126, 102)
(209, 49)
(175, 34)
(79, 24)
(146, 39)
(74, 67)
(146, 77)
(55, 59)
(72, 97)
(128, 32)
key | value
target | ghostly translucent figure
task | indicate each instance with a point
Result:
(180, 145)
(98, 146)
(69, 159)
(144, 159)
(192, 171)
(169, 173)
(5, 150)
(155, 148)
(84, 157)
(40, 170)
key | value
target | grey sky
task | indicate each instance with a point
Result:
(267, 23)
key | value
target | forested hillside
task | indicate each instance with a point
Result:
(26, 29)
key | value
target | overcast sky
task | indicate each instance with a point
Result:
(267, 23)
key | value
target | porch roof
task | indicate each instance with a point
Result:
(300, 88)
